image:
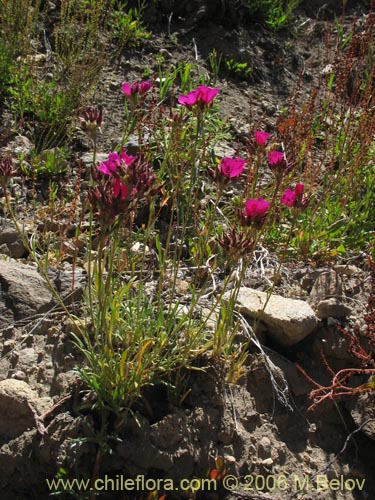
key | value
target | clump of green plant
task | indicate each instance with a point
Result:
(72, 56)
(238, 69)
(330, 143)
(137, 338)
(128, 27)
(274, 13)
(18, 26)
(167, 243)
(228, 66)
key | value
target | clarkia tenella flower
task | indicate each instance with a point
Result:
(296, 197)
(288, 198)
(202, 96)
(254, 212)
(276, 159)
(116, 160)
(261, 137)
(135, 88)
(256, 207)
(231, 167)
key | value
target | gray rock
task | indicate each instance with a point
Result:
(328, 284)
(23, 291)
(18, 146)
(264, 447)
(223, 150)
(87, 158)
(288, 320)
(332, 308)
(347, 269)
(19, 407)
(365, 410)
(327, 296)
(10, 241)
(69, 282)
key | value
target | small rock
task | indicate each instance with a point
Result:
(229, 459)
(69, 282)
(346, 269)
(23, 290)
(267, 462)
(264, 447)
(10, 241)
(308, 279)
(288, 320)
(332, 308)
(223, 150)
(19, 375)
(365, 410)
(19, 407)
(87, 158)
(332, 343)
(328, 284)
(18, 146)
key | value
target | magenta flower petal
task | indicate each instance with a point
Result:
(126, 89)
(144, 87)
(207, 94)
(202, 95)
(261, 137)
(136, 88)
(276, 159)
(114, 158)
(188, 100)
(232, 167)
(256, 207)
(103, 167)
(127, 159)
(288, 198)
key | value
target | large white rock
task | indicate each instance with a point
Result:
(288, 320)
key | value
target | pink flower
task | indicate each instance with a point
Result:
(202, 96)
(276, 159)
(261, 137)
(144, 87)
(127, 159)
(295, 198)
(289, 198)
(109, 167)
(116, 160)
(256, 208)
(232, 167)
(136, 88)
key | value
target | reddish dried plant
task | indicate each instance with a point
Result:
(362, 349)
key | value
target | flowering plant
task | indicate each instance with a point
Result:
(276, 160)
(254, 212)
(261, 138)
(295, 198)
(202, 97)
(135, 88)
(231, 167)
(121, 180)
